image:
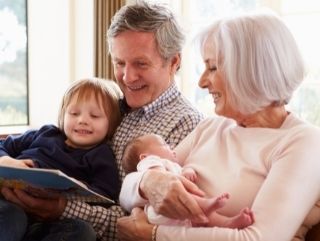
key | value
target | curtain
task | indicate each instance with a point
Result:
(103, 12)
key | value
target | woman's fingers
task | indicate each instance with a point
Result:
(177, 203)
(191, 187)
(195, 213)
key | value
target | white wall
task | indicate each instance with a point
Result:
(60, 51)
(82, 39)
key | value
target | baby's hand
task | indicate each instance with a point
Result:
(12, 162)
(189, 173)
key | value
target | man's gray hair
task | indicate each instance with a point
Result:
(146, 17)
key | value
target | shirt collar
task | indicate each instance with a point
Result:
(163, 100)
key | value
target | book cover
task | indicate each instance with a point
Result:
(48, 183)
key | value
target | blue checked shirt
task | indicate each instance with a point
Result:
(172, 117)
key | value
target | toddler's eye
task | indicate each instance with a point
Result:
(95, 115)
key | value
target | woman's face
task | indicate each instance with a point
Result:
(213, 79)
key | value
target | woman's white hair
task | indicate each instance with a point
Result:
(260, 60)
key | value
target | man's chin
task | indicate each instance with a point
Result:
(135, 104)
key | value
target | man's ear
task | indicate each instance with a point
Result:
(175, 63)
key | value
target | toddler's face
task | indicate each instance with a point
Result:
(85, 123)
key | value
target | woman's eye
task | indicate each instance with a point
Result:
(212, 68)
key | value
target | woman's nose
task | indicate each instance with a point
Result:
(203, 82)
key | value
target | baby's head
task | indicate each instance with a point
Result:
(90, 111)
(143, 146)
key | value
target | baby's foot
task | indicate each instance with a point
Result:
(242, 220)
(209, 205)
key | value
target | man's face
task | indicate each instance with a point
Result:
(139, 69)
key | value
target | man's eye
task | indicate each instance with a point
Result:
(119, 64)
(142, 64)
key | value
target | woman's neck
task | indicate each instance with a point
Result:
(269, 117)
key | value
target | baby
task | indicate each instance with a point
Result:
(151, 151)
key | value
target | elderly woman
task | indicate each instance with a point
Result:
(262, 154)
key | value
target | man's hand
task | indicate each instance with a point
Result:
(171, 195)
(134, 227)
(46, 209)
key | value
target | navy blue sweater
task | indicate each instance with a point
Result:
(96, 167)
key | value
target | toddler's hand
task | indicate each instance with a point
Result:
(9, 161)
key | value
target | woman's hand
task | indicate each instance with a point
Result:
(172, 196)
(134, 227)
(46, 209)
(190, 174)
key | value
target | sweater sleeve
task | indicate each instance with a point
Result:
(13, 145)
(129, 194)
(150, 162)
(290, 190)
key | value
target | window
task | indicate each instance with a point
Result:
(300, 16)
(13, 63)
(60, 47)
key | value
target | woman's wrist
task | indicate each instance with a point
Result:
(154, 233)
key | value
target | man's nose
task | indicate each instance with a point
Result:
(129, 74)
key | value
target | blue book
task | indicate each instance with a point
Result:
(48, 183)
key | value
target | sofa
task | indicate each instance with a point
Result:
(312, 235)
